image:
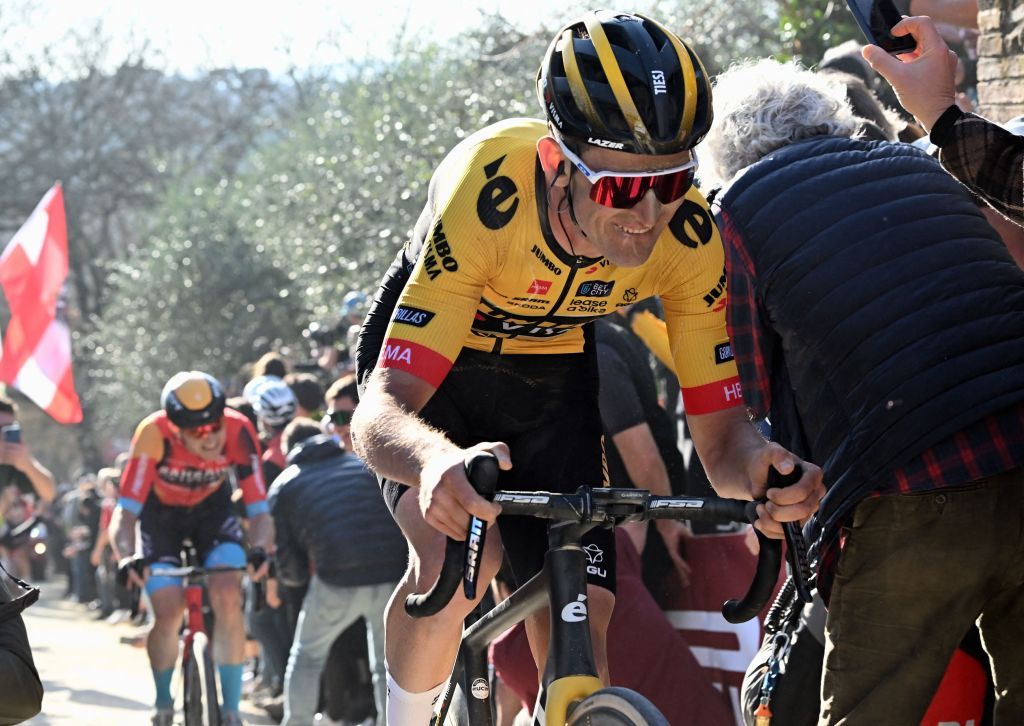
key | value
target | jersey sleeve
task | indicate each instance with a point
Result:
(694, 298)
(147, 448)
(244, 454)
(457, 255)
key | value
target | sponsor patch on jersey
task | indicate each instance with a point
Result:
(723, 353)
(497, 202)
(595, 288)
(552, 267)
(630, 295)
(408, 315)
(539, 287)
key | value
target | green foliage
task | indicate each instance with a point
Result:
(807, 28)
(202, 295)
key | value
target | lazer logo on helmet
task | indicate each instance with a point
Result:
(604, 143)
(595, 288)
(408, 315)
(658, 81)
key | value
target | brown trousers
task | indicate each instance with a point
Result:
(916, 570)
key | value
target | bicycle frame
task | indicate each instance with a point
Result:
(571, 672)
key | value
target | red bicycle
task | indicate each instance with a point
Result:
(198, 673)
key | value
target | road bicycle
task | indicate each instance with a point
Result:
(571, 693)
(201, 704)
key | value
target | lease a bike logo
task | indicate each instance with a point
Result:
(408, 315)
(723, 353)
(595, 288)
(539, 287)
(575, 612)
(438, 255)
(493, 206)
(692, 225)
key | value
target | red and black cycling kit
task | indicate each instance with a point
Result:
(162, 470)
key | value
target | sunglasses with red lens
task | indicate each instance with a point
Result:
(623, 191)
(201, 432)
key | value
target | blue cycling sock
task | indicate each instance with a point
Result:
(230, 685)
(164, 699)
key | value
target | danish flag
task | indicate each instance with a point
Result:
(36, 354)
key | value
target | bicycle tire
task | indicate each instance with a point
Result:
(200, 684)
(616, 707)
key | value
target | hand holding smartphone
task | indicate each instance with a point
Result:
(876, 18)
(12, 433)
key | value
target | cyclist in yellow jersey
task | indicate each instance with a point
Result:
(478, 336)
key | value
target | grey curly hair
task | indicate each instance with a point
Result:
(763, 105)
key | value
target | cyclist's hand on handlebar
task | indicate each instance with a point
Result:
(447, 499)
(793, 503)
(131, 573)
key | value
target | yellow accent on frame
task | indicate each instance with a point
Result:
(563, 691)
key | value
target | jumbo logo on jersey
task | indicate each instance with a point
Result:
(494, 194)
(441, 251)
(539, 254)
(716, 292)
(595, 288)
(692, 225)
(408, 315)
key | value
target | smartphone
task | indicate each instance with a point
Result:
(12, 433)
(876, 18)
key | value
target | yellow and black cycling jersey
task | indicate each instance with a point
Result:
(488, 274)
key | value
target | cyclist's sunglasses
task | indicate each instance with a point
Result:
(623, 191)
(201, 432)
(339, 418)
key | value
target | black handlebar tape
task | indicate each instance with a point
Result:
(434, 600)
(769, 560)
(796, 545)
(482, 472)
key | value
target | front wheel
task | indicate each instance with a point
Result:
(616, 707)
(200, 683)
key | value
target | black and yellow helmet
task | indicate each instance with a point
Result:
(192, 398)
(624, 82)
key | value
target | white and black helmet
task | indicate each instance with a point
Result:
(271, 399)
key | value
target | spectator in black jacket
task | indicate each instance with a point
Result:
(330, 520)
(21, 692)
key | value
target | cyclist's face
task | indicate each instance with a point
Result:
(208, 446)
(625, 237)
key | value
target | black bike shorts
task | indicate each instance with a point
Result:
(545, 407)
(209, 524)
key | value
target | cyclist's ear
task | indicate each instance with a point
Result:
(552, 162)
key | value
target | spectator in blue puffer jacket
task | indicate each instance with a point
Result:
(333, 530)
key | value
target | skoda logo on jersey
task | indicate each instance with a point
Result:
(493, 206)
(595, 288)
(408, 315)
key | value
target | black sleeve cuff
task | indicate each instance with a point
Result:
(942, 130)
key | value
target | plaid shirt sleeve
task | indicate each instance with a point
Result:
(986, 157)
(752, 340)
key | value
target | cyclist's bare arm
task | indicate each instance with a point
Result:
(737, 458)
(396, 443)
(122, 532)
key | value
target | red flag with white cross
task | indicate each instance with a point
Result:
(36, 356)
